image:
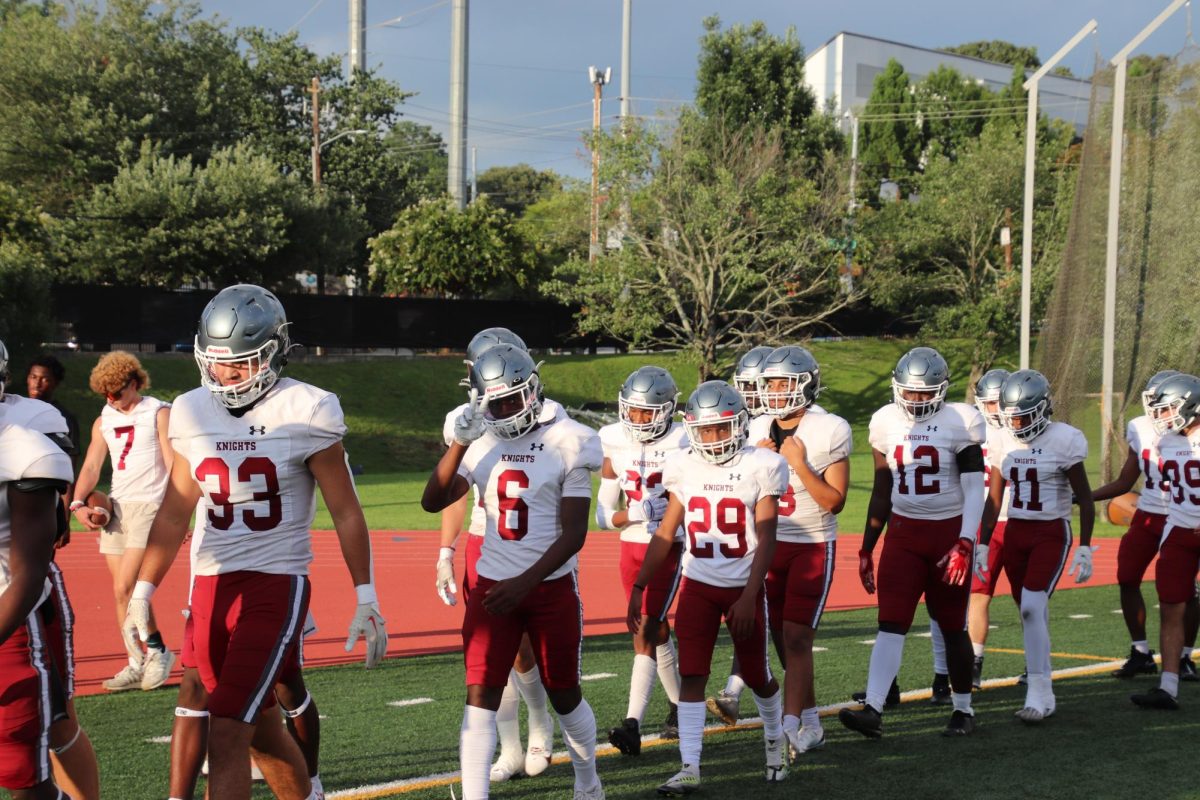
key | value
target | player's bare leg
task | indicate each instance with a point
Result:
(189, 735)
(541, 726)
(1171, 635)
(978, 619)
(75, 769)
(276, 753)
(156, 667)
(803, 729)
(46, 790)
(303, 722)
(129, 677)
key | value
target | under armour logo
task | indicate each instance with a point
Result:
(735, 476)
(256, 430)
(659, 454)
(931, 427)
(1037, 451)
(537, 446)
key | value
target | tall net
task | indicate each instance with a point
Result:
(1158, 283)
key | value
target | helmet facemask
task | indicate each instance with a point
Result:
(725, 448)
(524, 418)
(1165, 416)
(748, 389)
(993, 418)
(1026, 424)
(919, 410)
(259, 364)
(660, 419)
(783, 403)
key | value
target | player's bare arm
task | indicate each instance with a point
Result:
(34, 521)
(171, 523)
(445, 486)
(656, 553)
(1078, 478)
(879, 509)
(162, 419)
(991, 508)
(742, 613)
(329, 469)
(829, 488)
(89, 475)
(1131, 470)
(453, 517)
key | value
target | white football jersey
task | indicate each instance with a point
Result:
(551, 411)
(522, 482)
(827, 439)
(36, 415)
(719, 502)
(995, 442)
(139, 474)
(639, 467)
(24, 454)
(923, 457)
(1154, 493)
(1036, 471)
(253, 474)
(1181, 468)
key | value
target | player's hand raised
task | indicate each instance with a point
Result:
(957, 563)
(469, 425)
(866, 570)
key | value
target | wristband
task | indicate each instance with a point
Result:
(76, 505)
(143, 590)
(366, 594)
(445, 553)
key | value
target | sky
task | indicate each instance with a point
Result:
(529, 96)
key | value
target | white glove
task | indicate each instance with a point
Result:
(469, 425)
(1082, 562)
(137, 616)
(981, 562)
(649, 510)
(369, 623)
(447, 589)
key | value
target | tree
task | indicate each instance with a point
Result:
(891, 139)
(728, 243)
(953, 110)
(559, 225)
(437, 249)
(24, 279)
(999, 51)
(516, 187)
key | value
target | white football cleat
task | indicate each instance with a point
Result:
(595, 793)
(1030, 715)
(776, 764)
(686, 781)
(128, 678)
(507, 766)
(537, 759)
(804, 740)
(726, 707)
(156, 668)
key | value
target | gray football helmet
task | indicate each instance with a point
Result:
(803, 376)
(1025, 405)
(987, 390)
(501, 372)
(243, 324)
(1175, 404)
(650, 389)
(1152, 385)
(923, 370)
(490, 337)
(716, 403)
(3, 367)
(745, 377)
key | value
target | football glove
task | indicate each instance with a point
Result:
(469, 425)
(957, 563)
(1082, 562)
(447, 589)
(369, 623)
(981, 562)
(649, 510)
(137, 622)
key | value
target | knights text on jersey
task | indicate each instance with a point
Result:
(639, 467)
(36, 415)
(719, 502)
(523, 482)
(1154, 493)
(139, 474)
(253, 474)
(1036, 471)
(1181, 468)
(24, 454)
(827, 439)
(923, 457)
(996, 437)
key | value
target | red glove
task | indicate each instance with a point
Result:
(866, 571)
(957, 562)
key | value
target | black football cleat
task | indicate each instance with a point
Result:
(977, 673)
(961, 724)
(1155, 698)
(627, 737)
(941, 691)
(892, 700)
(1187, 670)
(670, 728)
(1138, 663)
(865, 720)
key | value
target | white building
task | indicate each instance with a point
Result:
(844, 68)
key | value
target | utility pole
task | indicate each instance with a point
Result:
(358, 38)
(626, 59)
(315, 91)
(598, 80)
(456, 172)
(474, 174)
(1006, 240)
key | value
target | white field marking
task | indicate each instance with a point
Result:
(159, 740)
(993, 627)
(867, 641)
(1081, 616)
(322, 716)
(597, 676)
(820, 649)
(395, 788)
(416, 701)
(926, 634)
(1117, 611)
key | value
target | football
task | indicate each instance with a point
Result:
(99, 510)
(1120, 509)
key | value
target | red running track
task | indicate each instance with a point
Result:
(418, 622)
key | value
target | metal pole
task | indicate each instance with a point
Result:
(594, 242)
(626, 57)
(853, 160)
(456, 172)
(1110, 267)
(474, 174)
(358, 38)
(315, 90)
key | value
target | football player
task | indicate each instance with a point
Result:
(726, 495)
(254, 445)
(524, 681)
(1041, 463)
(1174, 409)
(33, 473)
(635, 450)
(534, 479)
(1140, 543)
(928, 491)
(131, 432)
(745, 377)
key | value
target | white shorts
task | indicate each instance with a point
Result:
(129, 527)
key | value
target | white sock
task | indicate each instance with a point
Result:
(978, 648)
(885, 664)
(508, 723)
(771, 709)
(1036, 634)
(541, 727)
(1142, 646)
(579, 733)
(641, 685)
(691, 732)
(1169, 683)
(791, 723)
(811, 718)
(939, 648)
(734, 686)
(668, 670)
(317, 788)
(962, 702)
(476, 742)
